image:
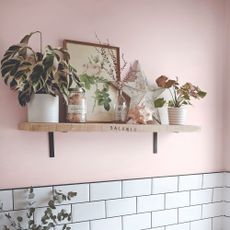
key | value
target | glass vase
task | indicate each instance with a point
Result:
(121, 108)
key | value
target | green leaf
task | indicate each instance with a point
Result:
(25, 40)
(51, 225)
(107, 106)
(10, 52)
(48, 62)
(25, 94)
(51, 204)
(70, 195)
(10, 66)
(19, 219)
(37, 77)
(6, 228)
(159, 102)
(202, 94)
(86, 80)
(31, 222)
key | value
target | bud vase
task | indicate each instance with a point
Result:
(121, 108)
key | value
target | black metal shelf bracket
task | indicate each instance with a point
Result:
(51, 143)
(155, 143)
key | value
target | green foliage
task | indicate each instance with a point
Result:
(181, 95)
(159, 102)
(31, 72)
(50, 218)
(102, 97)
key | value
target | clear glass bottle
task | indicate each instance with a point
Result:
(77, 107)
(121, 108)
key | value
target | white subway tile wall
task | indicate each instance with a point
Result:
(190, 182)
(184, 202)
(43, 195)
(136, 187)
(217, 223)
(137, 221)
(120, 207)
(6, 201)
(201, 196)
(213, 180)
(164, 217)
(76, 226)
(190, 213)
(105, 190)
(178, 227)
(177, 199)
(164, 185)
(202, 225)
(82, 192)
(150, 203)
(109, 223)
(88, 211)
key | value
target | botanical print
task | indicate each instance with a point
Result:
(97, 73)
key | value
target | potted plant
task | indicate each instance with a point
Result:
(181, 95)
(162, 112)
(39, 77)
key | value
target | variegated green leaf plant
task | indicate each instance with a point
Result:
(31, 72)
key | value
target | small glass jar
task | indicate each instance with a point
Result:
(121, 108)
(77, 107)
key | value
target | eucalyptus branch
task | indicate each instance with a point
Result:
(49, 219)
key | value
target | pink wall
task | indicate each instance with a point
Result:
(227, 92)
(174, 37)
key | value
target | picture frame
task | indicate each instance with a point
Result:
(82, 55)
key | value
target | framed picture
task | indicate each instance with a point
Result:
(92, 62)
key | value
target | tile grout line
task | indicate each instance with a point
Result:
(202, 181)
(106, 210)
(13, 199)
(165, 201)
(151, 221)
(178, 183)
(90, 193)
(132, 179)
(90, 225)
(212, 195)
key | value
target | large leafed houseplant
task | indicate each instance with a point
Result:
(34, 73)
(181, 95)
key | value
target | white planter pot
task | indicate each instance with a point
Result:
(43, 108)
(163, 115)
(177, 116)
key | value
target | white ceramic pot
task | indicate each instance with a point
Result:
(163, 115)
(177, 116)
(43, 108)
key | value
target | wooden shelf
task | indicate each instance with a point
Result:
(104, 127)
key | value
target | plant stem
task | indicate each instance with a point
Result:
(174, 100)
(40, 34)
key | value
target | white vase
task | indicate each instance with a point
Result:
(43, 108)
(177, 116)
(163, 115)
